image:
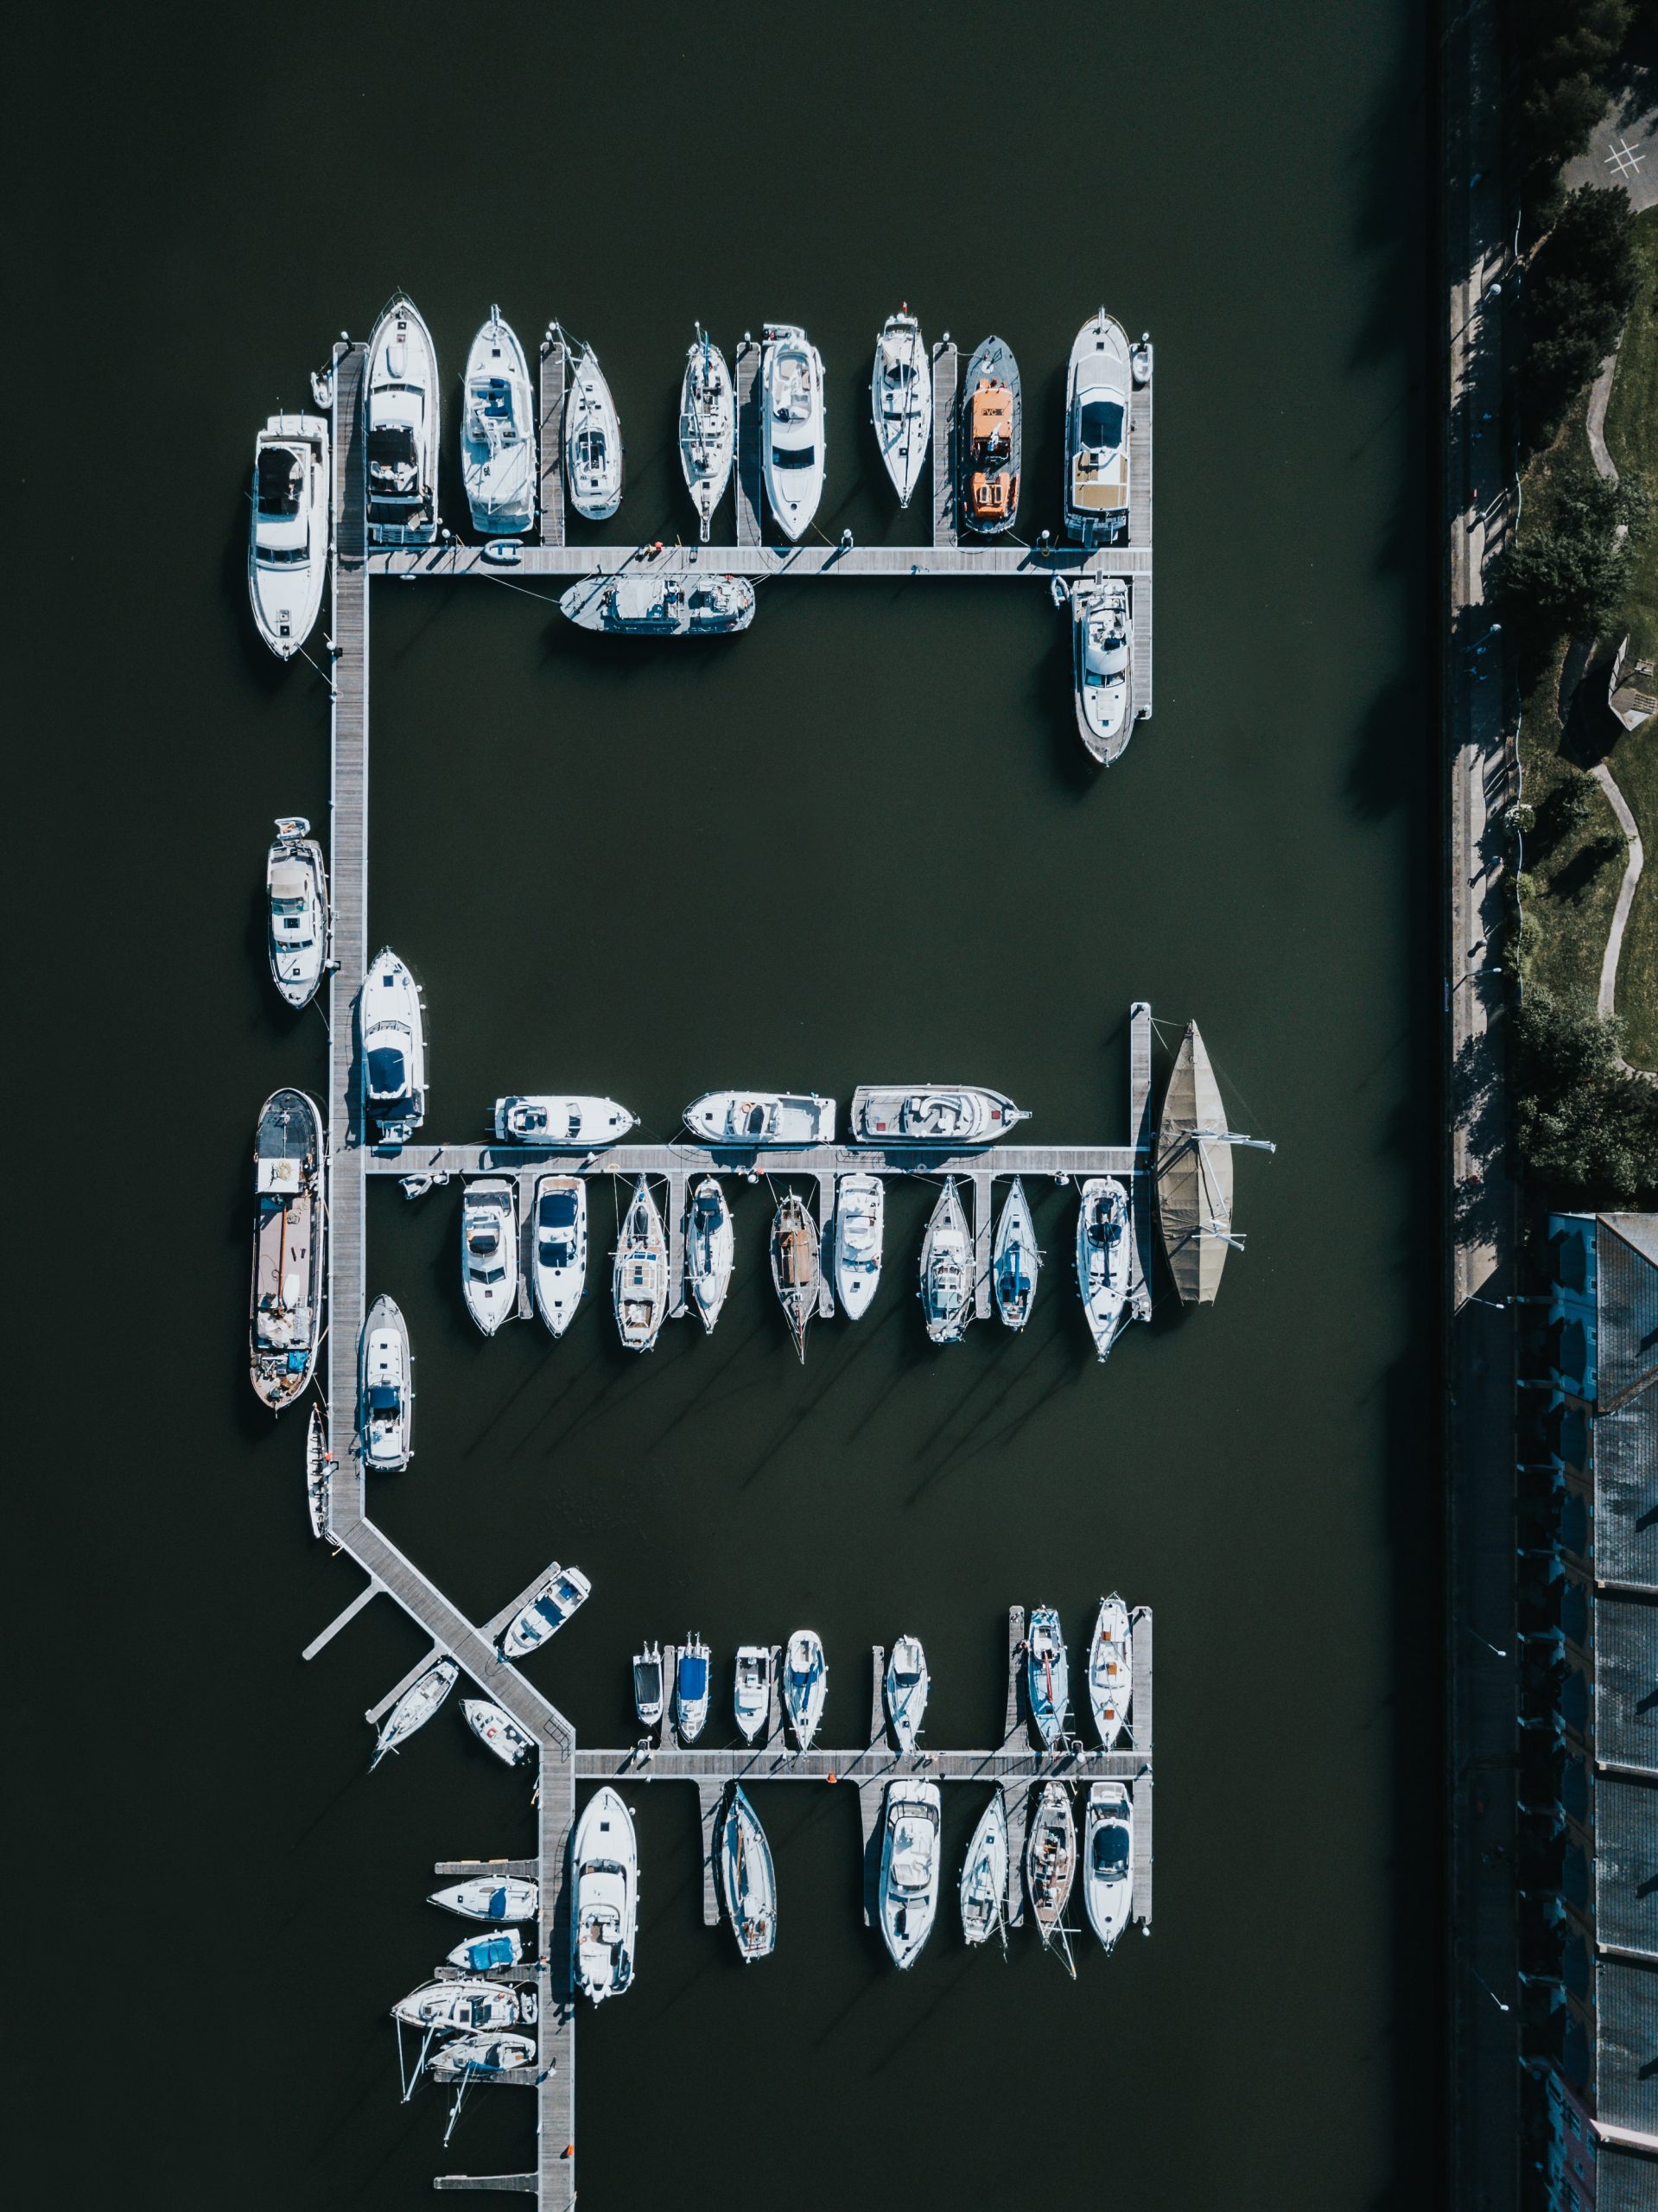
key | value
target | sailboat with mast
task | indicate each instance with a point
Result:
(984, 1877)
(707, 427)
(1194, 1175)
(1051, 1868)
(748, 1879)
(796, 1272)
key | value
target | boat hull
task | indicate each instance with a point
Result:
(1102, 679)
(805, 1685)
(936, 1117)
(639, 1276)
(707, 430)
(912, 1852)
(794, 440)
(497, 432)
(403, 409)
(859, 1226)
(1104, 1249)
(988, 485)
(1051, 1859)
(749, 1121)
(593, 465)
(797, 1271)
(1193, 1177)
(288, 553)
(1108, 1860)
(559, 1249)
(710, 1248)
(747, 1879)
(391, 1024)
(489, 1250)
(604, 1917)
(681, 603)
(1015, 1261)
(900, 403)
(947, 1282)
(497, 1731)
(297, 920)
(1048, 1676)
(385, 1414)
(415, 1708)
(1110, 1670)
(289, 1247)
(984, 1875)
(1097, 411)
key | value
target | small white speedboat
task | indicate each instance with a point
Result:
(1103, 1249)
(593, 440)
(792, 437)
(751, 1691)
(805, 1684)
(900, 401)
(1050, 1862)
(907, 1685)
(947, 1279)
(296, 905)
(860, 1227)
(911, 1853)
(489, 1250)
(639, 1277)
(677, 603)
(485, 1955)
(1096, 433)
(1016, 1261)
(318, 1472)
(473, 2006)
(560, 1593)
(498, 431)
(493, 1726)
(604, 1916)
(691, 1683)
(577, 1124)
(1047, 1675)
(401, 416)
(797, 1272)
(392, 1026)
(1108, 1859)
(287, 530)
(491, 1898)
(559, 1255)
(387, 1417)
(932, 1114)
(762, 1117)
(647, 1685)
(710, 1246)
(414, 1707)
(984, 1876)
(747, 1878)
(1102, 635)
(1111, 1669)
(471, 2057)
(707, 427)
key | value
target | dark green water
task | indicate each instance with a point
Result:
(855, 842)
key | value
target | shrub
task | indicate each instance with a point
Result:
(1581, 285)
(1573, 574)
(1558, 52)
(1580, 1122)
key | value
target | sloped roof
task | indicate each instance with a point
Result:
(1626, 1493)
(1626, 2047)
(1625, 2181)
(1627, 1273)
(1626, 1682)
(1626, 1865)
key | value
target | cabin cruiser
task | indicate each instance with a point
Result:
(1097, 433)
(691, 1688)
(793, 442)
(414, 1707)
(1051, 1861)
(604, 1922)
(805, 1684)
(859, 1226)
(558, 1594)
(1101, 632)
(758, 1117)
(489, 1250)
(639, 1283)
(486, 1955)
(932, 1114)
(707, 427)
(493, 1726)
(387, 1418)
(289, 1233)
(468, 2056)
(911, 1852)
(900, 401)
(509, 1898)
(947, 1282)
(751, 1693)
(287, 530)
(907, 1685)
(498, 431)
(560, 1257)
(647, 1685)
(1108, 1859)
(393, 1026)
(401, 416)
(747, 1878)
(296, 905)
(1111, 1669)
(318, 1472)
(577, 1124)
(796, 1275)
(709, 1247)
(1016, 1260)
(679, 603)
(1103, 1249)
(593, 440)
(1047, 1674)
(473, 2005)
(991, 434)
(984, 1877)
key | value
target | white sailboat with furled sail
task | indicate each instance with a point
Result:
(707, 427)
(984, 1877)
(748, 1879)
(1194, 1174)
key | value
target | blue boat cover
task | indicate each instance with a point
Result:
(498, 1904)
(693, 1675)
(490, 1951)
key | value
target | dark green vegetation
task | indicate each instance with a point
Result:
(1560, 54)
(1578, 287)
(1580, 1121)
(1572, 573)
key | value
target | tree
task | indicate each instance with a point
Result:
(1580, 1121)
(1559, 54)
(1581, 285)
(1572, 573)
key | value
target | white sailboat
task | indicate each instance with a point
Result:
(912, 1851)
(485, 1955)
(860, 1227)
(639, 1277)
(947, 1281)
(392, 1026)
(560, 1250)
(473, 2006)
(481, 2055)
(707, 427)
(1111, 1669)
(593, 440)
(932, 1114)
(907, 1685)
(710, 1246)
(900, 401)
(747, 1878)
(1050, 1866)
(296, 907)
(793, 435)
(1194, 1174)
(318, 1472)
(287, 530)
(762, 1117)
(984, 1876)
(797, 1274)
(495, 1727)
(1104, 1246)
(1048, 1676)
(560, 1591)
(805, 1685)
(604, 1919)
(1108, 1859)
(1016, 1259)
(562, 1123)
(401, 415)
(387, 1385)
(489, 1250)
(414, 1707)
(691, 1686)
(498, 431)
(751, 1691)
(491, 1898)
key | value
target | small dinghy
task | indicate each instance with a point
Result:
(747, 1878)
(401, 416)
(1111, 1669)
(318, 1472)
(560, 1593)
(990, 438)
(1047, 1674)
(1102, 634)
(1103, 1249)
(678, 604)
(907, 1685)
(1051, 1865)
(287, 530)
(474, 2007)
(296, 905)
(1108, 1859)
(509, 1899)
(796, 1274)
(593, 440)
(1140, 359)
(900, 401)
(604, 1918)
(467, 2056)
(387, 1419)
(805, 1685)
(707, 427)
(493, 1726)
(859, 1228)
(498, 432)
(485, 1955)
(984, 1877)
(751, 1693)
(647, 1685)
(489, 1250)
(414, 1707)
(639, 1277)
(691, 1688)
(1016, 1261)
(289, 1238)
(911, 1853)
(947, 1284)
(578, 1124)
(710, 1245)
(792, 439)
(932, 1114)
(762, 1117)
(559, 1261)
(393, 1029)
(1097, 433)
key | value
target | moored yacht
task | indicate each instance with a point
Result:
(1111, 1669)
(494, 1726)
(900, 401)
(498, 431)
(414, 1707)
(1103, 1249)
(931, 1113)
(593, 440)
(947, 1282)
(387, 1387)
(1050, 1862)
(805, 1684)
(289, 1234)
(560, 1255)
(1047, 1675)
(907, 1686)
(318, 1472)
(296, 905)
(751, 1689)
(762, 1117)
(984, 1875)
(680, 603)
(1194, 1174)
(707, 427)
(639, 1283)
(475, 2006)
(401, 416)
(796, 1275)
(287, 530)
(482, 2055)
(1016, 1260)
(558, 1594)
(485, 1955)
(604, 1918)
(1102, 634)
(859, 1228)
(1108, 1859)
(489, 1250)
(991, 438)
(393, 1030)
(710, 1245)
(563, 1124)
(1096, 433)
(747, 1878)
(793, 440)
(912, 1852)
(489, 1897)
(691, 1683)
(647, 1685)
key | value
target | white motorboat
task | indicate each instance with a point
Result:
(296, 907)
(911, 1853)
(859, 1228)
(287, 530)
(490, 1897)
(593, 440)
(750, 1692)
(674, 603)
(1108, 1859)
(560, 1591)
(1102, 635)
(907, 1685)
(691, 1688)
(387, 1417)
(489, 1250)
(1016, 1260)
(793, 440)
(493, 1726)
(805, 1685)
(559, 1260)
(473, 2006)
(710, 1247)
(1096, 433)
(947, 1280)
(1047, 1675)
(1050, 1863)
(1111, 1669)
(289, 1245)
(647, 1685)
(747, 1878)
(401, 418)
(797, 1274)
(393, 1030)
(467, 2056)
(984, 1876)
(485, 1955)
(932, 1114)
(762, 1117)
(578, 1124)
(498, 432)
(707, 427)
(900, 401)
(414, 1707)
(1103, 1249)
(318, 1472)
(604, 1920)
(639, 1277)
